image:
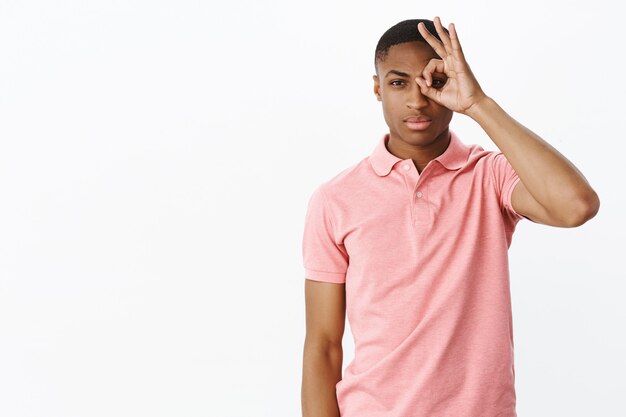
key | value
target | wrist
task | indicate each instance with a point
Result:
(478, 107)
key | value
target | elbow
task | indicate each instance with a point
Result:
(587, 208)
(323, 344)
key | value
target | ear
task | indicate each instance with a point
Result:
(377, 87)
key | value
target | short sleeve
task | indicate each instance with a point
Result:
(325, 259)
(505, 178)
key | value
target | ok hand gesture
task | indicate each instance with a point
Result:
(461, 90)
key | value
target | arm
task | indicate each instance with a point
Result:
(323, 353)
(551, 189)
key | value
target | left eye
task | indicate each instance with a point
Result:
(434, 83)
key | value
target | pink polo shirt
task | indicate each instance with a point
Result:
(424, 258)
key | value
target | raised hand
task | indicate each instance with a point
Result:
(461, 91)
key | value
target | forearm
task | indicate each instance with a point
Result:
(320, 373)
(551, 179)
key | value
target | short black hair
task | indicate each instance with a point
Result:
(405, 31)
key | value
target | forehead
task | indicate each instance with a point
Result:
(408, 55)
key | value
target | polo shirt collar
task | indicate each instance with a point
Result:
(454, 157)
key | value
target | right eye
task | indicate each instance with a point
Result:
(396, 81)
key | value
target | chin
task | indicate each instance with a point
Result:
(426, 133)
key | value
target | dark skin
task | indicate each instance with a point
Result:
(551, 189)
(326, 302)
(401, 97)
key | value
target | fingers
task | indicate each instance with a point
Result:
(443, 35)
(428, 90)
(456, 45)
(433, 66)
(432, 41)
(425, 82)
(449, 44)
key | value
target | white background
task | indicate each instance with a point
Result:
(156, 159)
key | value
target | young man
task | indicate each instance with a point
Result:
(412, 242)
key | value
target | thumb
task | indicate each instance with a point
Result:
(421, 82)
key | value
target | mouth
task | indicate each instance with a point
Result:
(414, 124)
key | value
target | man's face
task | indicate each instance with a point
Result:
(402, 98)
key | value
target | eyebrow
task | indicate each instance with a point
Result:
(399, 73)
(404, 74)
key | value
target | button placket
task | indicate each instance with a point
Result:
(417, 183)
(421, 210)
(410, 183)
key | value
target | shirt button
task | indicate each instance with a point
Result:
(419, 194)
(405, 167)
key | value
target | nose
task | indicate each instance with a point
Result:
(416, 99)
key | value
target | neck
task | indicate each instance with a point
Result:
(421, 151)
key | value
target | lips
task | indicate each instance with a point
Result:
(417, 119)
(418, 123)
